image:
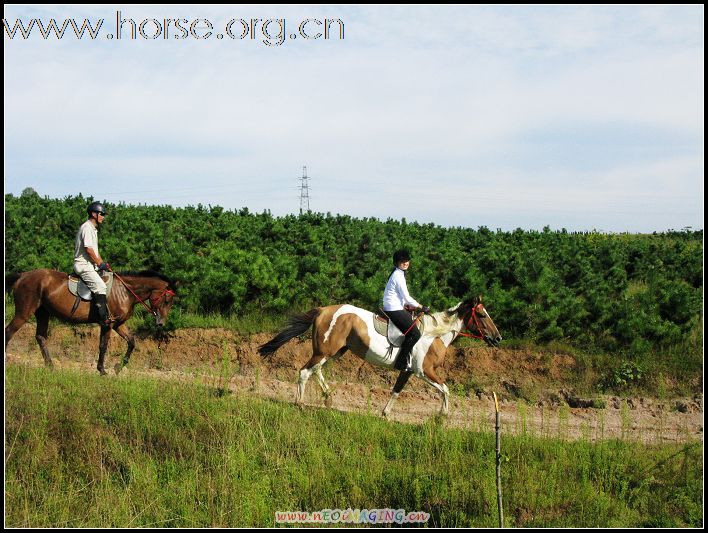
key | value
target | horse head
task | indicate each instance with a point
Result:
(161, 301)
(151, 287)
(477, 320)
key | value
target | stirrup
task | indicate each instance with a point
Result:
(110, 321)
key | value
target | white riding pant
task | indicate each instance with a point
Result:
(91, 278)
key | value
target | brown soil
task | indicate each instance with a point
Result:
(534, 395)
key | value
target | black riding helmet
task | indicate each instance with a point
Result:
(96, 207)
(401, 256)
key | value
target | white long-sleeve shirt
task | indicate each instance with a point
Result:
(396, 293)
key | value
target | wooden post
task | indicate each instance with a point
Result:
(497, 428)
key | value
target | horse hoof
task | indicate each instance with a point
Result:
(118, 368)
(102, 371)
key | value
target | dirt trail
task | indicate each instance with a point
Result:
(215, 356)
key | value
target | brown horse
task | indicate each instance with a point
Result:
(337, 328)
(45, 294)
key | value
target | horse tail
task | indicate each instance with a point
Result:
(10, 281)
(297, 325)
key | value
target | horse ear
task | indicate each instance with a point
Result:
(479, 298)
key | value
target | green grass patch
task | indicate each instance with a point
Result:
(244, 324)
(85, 451)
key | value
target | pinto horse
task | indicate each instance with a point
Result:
(45, 293)
(337, 328)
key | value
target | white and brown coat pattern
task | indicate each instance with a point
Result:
(338, 328)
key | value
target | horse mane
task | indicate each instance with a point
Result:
(172, 284)
(442, 322)
(437, 324)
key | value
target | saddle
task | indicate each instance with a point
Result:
(388, 329)
(78, 288)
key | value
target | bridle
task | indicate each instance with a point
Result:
(473, 318)
(155, 302)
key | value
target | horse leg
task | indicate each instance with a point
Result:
(12, 328)
(103, 346)
(124, 332)
(305, 374)
(318, 371)
(432, 378)
(42, 331)
(313, 366)
(322, 348)
(397, 388)
(24, 308)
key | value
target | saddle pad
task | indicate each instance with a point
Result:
(78, 288)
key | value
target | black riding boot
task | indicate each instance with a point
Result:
(403, 359)
(404, 322)
(102, 308)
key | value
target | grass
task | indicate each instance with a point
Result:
(246, 324)
(85, 451)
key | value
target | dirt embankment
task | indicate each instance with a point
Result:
(535, 397)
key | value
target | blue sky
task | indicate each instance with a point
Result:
(577, 117)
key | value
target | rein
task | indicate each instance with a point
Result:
(413, 324)
(153, 301)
